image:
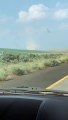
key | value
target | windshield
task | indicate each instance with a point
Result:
(34, 45)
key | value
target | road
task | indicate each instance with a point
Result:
(42, 78)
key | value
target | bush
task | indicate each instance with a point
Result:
(52, 63)
(10, 57)
(64, 60)
(3, 75)
(32, 55)
(24, 59)
(53, 56)
(18, 71)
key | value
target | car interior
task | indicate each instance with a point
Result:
(33, 107)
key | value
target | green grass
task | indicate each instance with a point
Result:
(21, 62)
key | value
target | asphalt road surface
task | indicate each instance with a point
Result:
(61, 85)
(42, 78)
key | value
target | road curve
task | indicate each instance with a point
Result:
(41, 78)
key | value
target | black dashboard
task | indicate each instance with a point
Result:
(33, 107)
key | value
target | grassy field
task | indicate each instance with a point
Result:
(21, 62)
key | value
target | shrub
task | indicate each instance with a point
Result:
(3, 75)
(32, 55)
(18, 71)
(10, 57)
(24, 59)
(52, 63)
(65, 60)
(53, 56)
(47, 64)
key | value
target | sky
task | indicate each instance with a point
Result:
(34, 24)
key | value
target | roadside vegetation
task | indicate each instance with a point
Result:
(16, 63)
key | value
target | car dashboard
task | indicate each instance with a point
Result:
(33, 107)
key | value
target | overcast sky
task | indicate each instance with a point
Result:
(34, 24)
